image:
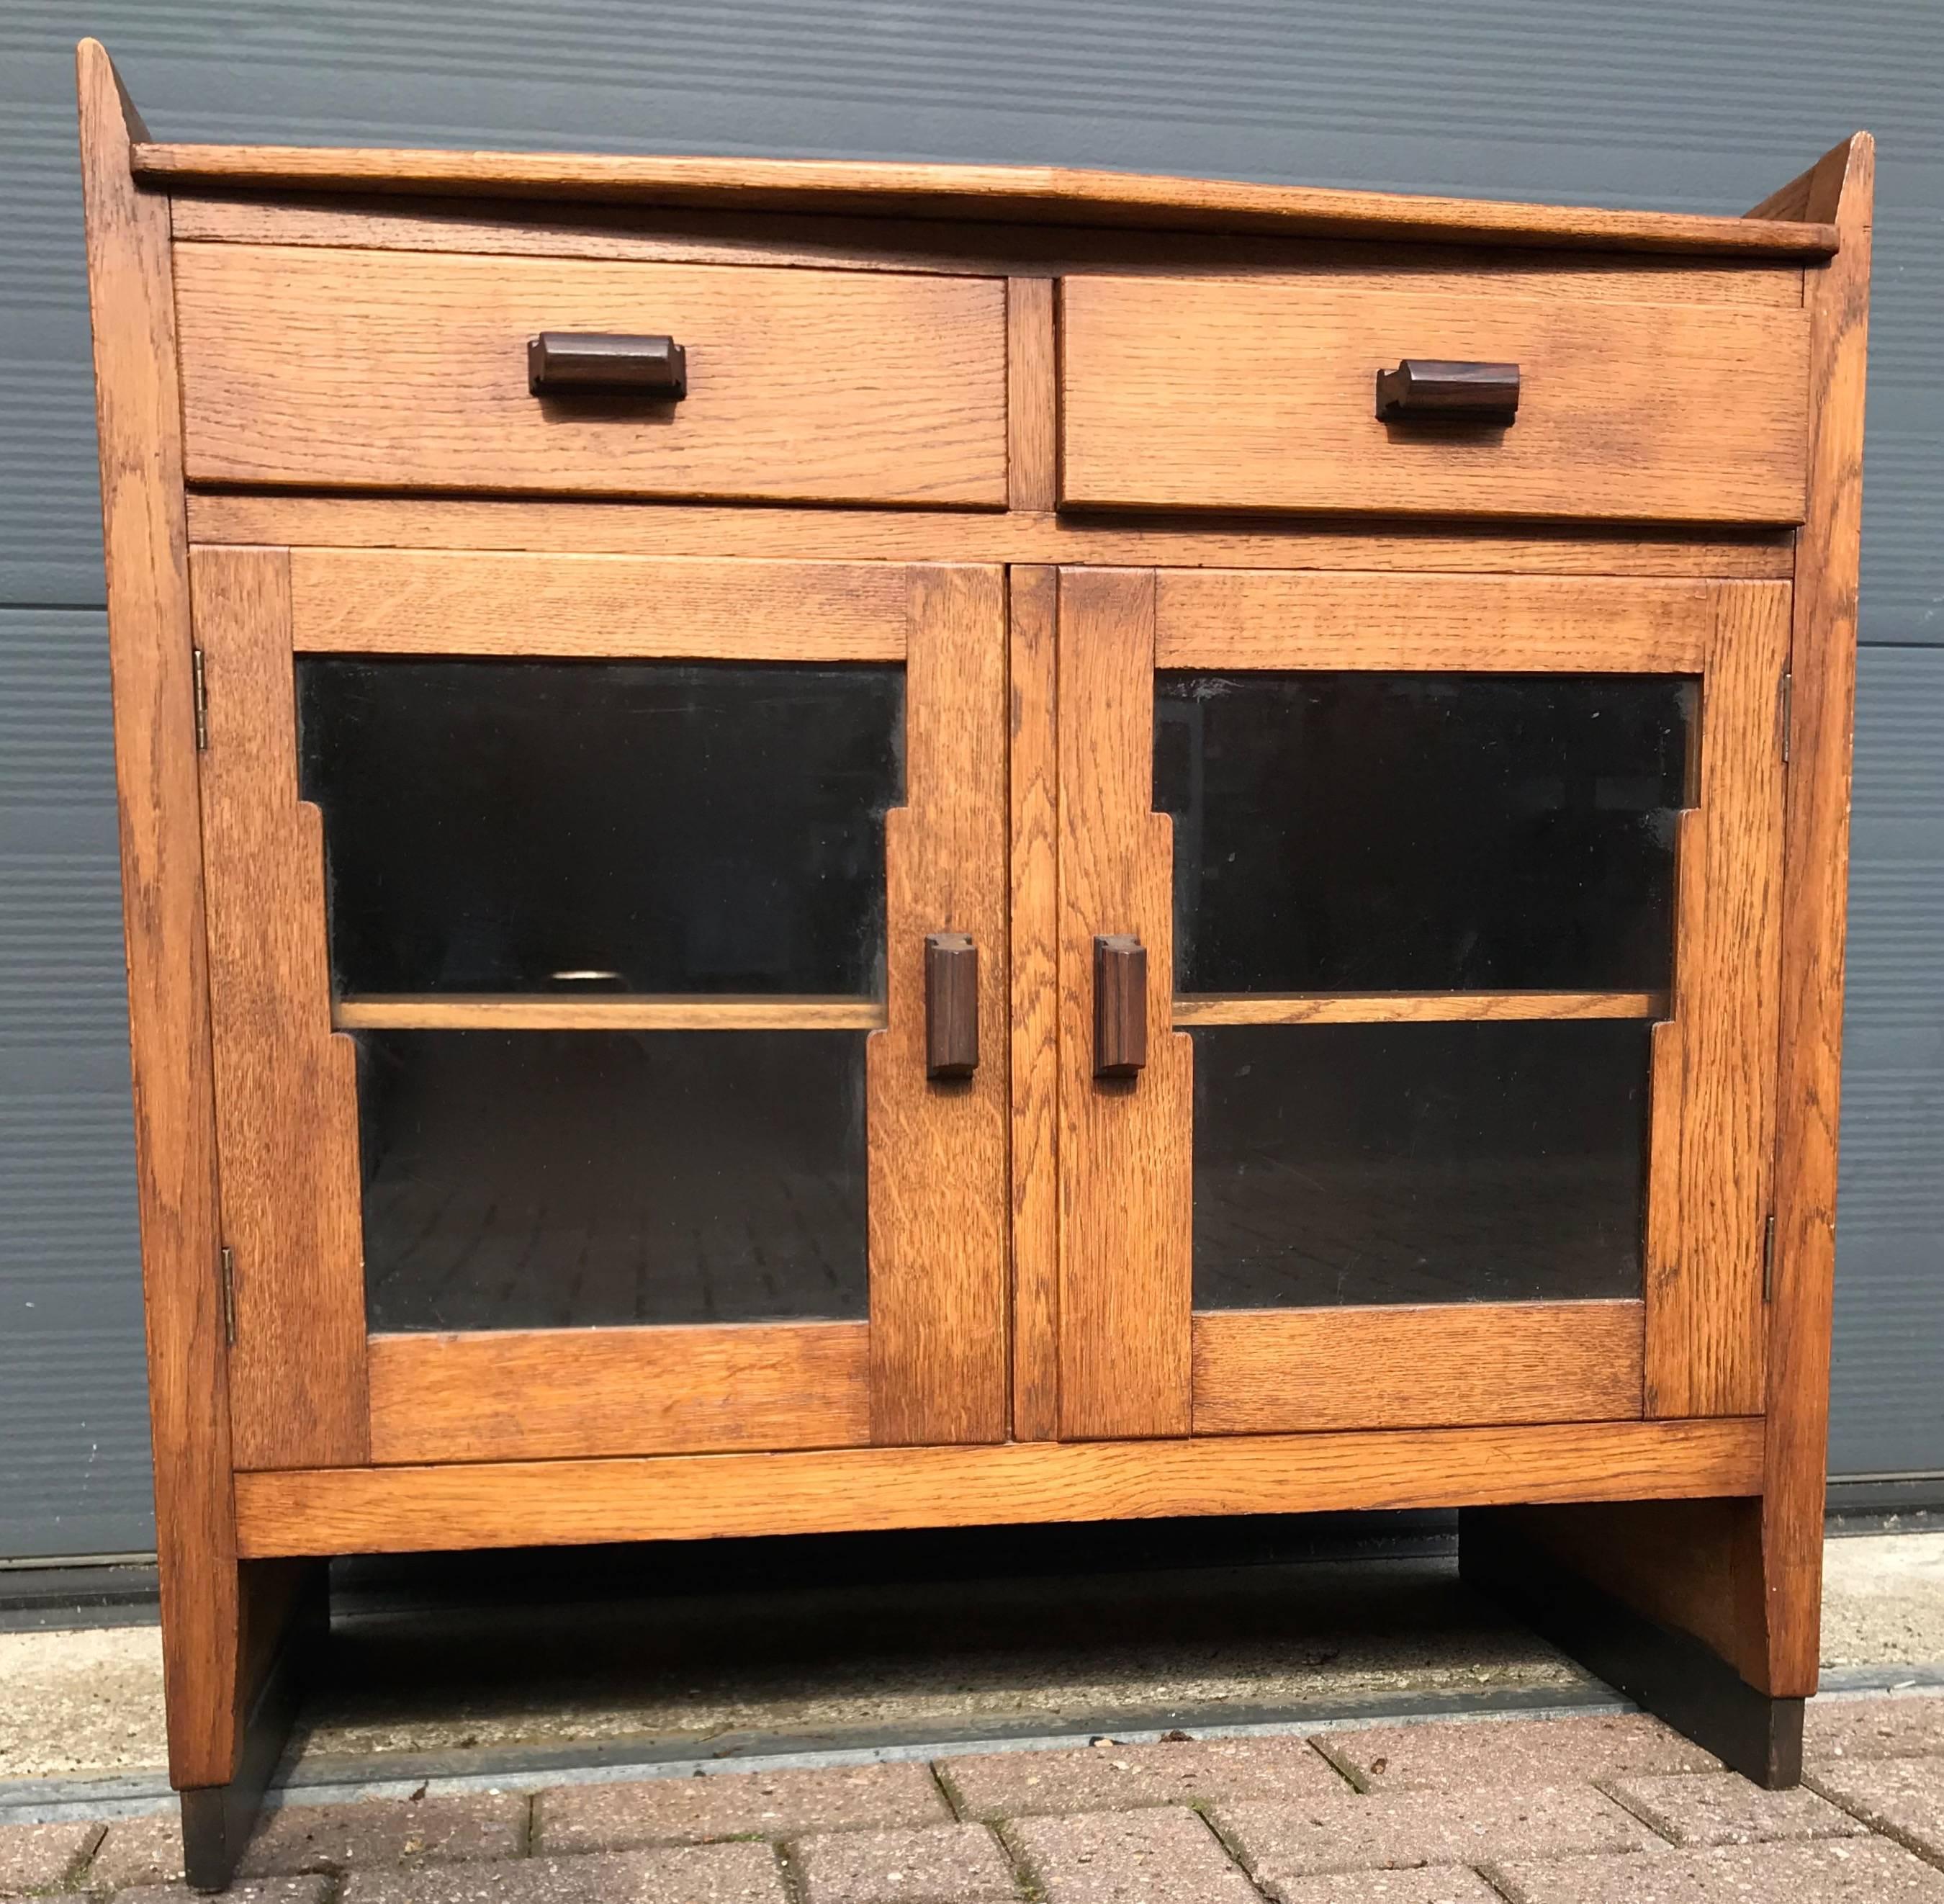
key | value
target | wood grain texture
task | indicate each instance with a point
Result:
(907, 536)
(554, 1012)
(138, 418)
(405, 601)
(1408, 1007)
(1694, 1565)
(1220, 619)
(535, 1394)
(1436, 1365)
(286, 1085)
(661, 234)
(1032, 395)
(1630, 413)
(939, 1190)
(1033, 773)
(1123, 1145)
(402, 1510)
(1662, 1241)
(1705, 1314)
(1823, 661)
(1029, 194)
(390, 370)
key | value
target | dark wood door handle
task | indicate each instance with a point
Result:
(950, 1005)
(567, 363)
(1120, 1007)
(1429, 389)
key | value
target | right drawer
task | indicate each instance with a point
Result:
(1210, 393)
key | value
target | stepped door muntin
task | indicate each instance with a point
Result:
(568, 922)
(1418, 960)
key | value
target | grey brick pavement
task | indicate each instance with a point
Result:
(1575, 1810)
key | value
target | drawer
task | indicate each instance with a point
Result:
(389, 370)
(1190, 393)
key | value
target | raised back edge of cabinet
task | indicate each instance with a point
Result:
(1005, 194)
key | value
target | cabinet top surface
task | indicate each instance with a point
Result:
(1004, 194)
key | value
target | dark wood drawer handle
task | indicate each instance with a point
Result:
(1120, 1007)
(950, 1005)
(569, 363)
(1429, 389)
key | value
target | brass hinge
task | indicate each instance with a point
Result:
(1768, 1258)
(1788, 713)
(228, 1295)
(202, 699)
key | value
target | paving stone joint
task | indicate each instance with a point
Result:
(1586, 1809)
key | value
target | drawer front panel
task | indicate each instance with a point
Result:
(1209, 393)
(376, 370)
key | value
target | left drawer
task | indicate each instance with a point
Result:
(387, 370)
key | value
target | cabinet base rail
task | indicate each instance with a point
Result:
(403, 1509)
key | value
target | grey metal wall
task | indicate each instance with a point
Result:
(1688, 104)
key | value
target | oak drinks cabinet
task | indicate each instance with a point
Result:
(816, 847)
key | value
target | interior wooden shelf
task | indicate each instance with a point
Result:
(1419, 1007)
(604, 1012)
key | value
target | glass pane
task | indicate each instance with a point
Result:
(1414, 832)
(550, 1179)
(1419, 1163)
(603, 825)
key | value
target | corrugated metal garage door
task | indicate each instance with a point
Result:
(1669, 103)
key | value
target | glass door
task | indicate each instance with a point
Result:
(1419, 939)
(607, 956)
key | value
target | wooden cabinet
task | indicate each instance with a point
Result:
(1062, 847)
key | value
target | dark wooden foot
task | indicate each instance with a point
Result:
(292, 1624)
(1670, 1672)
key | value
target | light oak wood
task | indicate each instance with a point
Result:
(896, 536)
(556, 1012)
(406, 602)
(402, 1510)
(537, 1394)
(1032, 394)
(368, 369)
(1746, 1576)
(1705, 1323)
(1436, 1365)
(1031, 194)
(1839, 188)
(1218, 619)
(138, 417)
(1661, 1239)
(1693, 1565)
(938, 1190)
(1408, 1007)
(655, 234)
(1123, 1145)
(1033, 782)
(286, 1085)
(1215, 393)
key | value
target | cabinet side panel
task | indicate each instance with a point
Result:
(939, 1197)
(1823, 666)
(1125, 1287)
(138, 412)
(286, 1084)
